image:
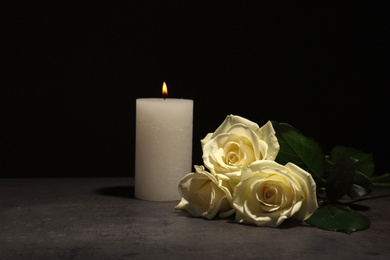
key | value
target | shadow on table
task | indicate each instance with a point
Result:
(287, 224)
(117, 191)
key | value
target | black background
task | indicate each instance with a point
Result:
(73, 70)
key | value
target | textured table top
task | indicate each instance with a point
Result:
(98, 218)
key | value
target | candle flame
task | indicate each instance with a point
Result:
(164, 89)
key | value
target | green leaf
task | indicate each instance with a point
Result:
(299, 149)
(361, 185)
(382, 181)
(340, 179)
(338, 218)
(363, 162)
(381, 178)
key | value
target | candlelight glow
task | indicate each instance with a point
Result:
(164, 89)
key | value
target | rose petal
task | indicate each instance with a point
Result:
(268, 193)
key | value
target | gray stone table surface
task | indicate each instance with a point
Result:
(99, 218)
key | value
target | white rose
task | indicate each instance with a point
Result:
(236, 143)
(269, 193)
(205, 195)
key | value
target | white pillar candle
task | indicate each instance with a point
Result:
(163, 147)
